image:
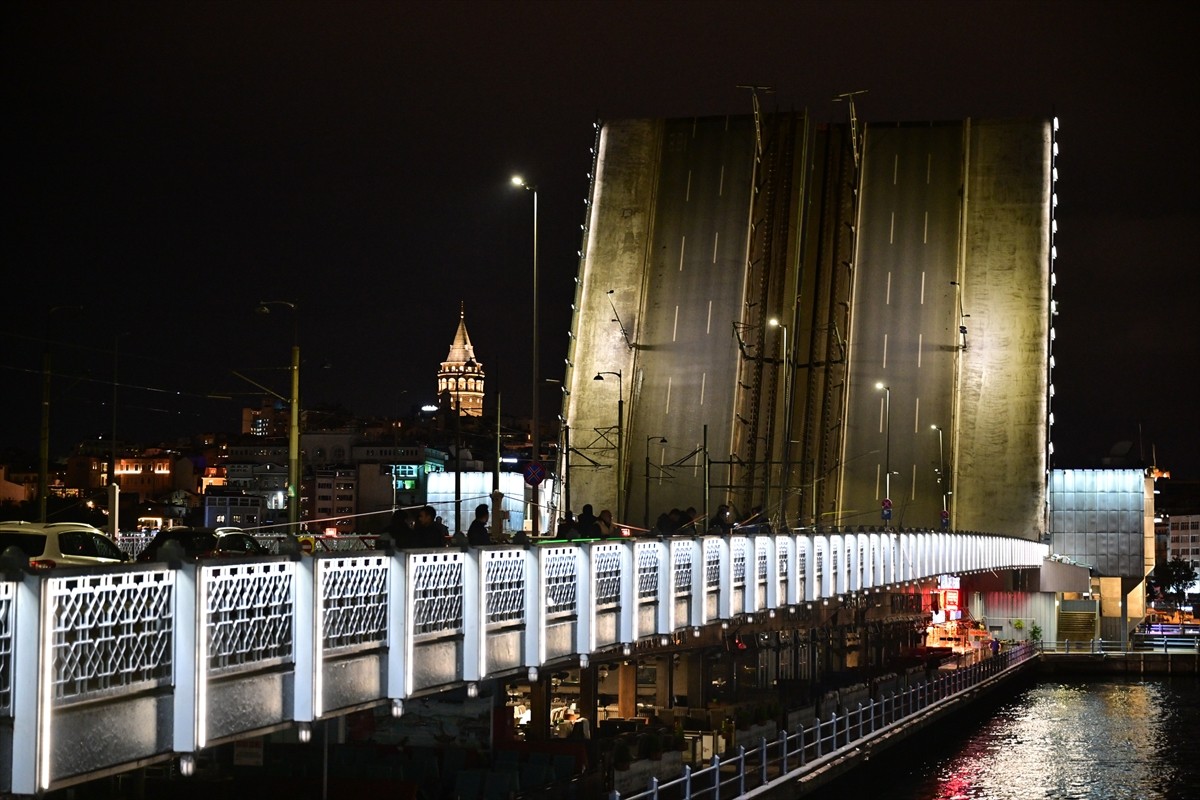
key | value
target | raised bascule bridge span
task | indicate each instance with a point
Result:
(804, 328)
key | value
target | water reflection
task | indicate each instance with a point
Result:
(1101, 740)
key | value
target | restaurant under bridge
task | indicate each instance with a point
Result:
(108, 670)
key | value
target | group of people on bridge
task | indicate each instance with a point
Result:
(428, 530)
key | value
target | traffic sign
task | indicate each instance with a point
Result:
(887, 509)
(535, 473)
(945, 519)
(887, 502)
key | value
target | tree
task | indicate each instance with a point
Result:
(1174, 577)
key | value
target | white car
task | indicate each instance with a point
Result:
(60, 544)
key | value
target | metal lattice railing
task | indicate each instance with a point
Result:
(354, 600)
(646, 554)
(504, 582)
(683, 551)
(606, 560)
(712, 564)
(7, 593)
(248, 614)
(737, 558)
(111, 632)
(561, 576)
(437, 592)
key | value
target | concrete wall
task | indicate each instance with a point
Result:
(1000, 448)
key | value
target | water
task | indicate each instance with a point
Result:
(1060, 740)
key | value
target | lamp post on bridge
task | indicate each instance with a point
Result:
(787, 423)
(44, 438)
(646, 512)
(535, 454)
(293, 491)
(887, 450)
(941, 465)
(620, 434)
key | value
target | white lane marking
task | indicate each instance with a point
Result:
(920, 339)
(721, 182)
(708, 321)
(687, 194)
(716, 238)
(928, 165)
(667, 409)
(913, 495)
(922, 287)
(925, 234)
(917, 417)
(887, 295)
(892, 229)
(703, 380)
(885, 343)
(895, 167)
(675, 324)
(878, 472)
(882, 409)
(682, 247)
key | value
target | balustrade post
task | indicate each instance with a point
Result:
(307, 639)
(783, 738)
(29, 751)
(399, 643)
(762, 759)
(741, 770)
(190, 666)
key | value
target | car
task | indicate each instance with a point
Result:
(61, 544)
(204, 543)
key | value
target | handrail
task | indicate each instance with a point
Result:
(791, 755)
(1139, 643)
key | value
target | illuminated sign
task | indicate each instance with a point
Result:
(951, 599)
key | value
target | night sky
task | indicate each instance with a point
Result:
(171, 164)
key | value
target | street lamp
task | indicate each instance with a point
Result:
(887, 450)
(962, 324)
(264, 307)
(620, 431)
(787, 420)
(646, 513)
(941, 465)
(44, 439)
(535, 453)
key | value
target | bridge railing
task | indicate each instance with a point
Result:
(184, 656)
(1138, 643)
(790, 755)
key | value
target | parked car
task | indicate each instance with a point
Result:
(204, 543)
(60, 544)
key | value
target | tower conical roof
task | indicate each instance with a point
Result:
(461, 351)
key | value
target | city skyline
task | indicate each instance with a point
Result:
(177, 165)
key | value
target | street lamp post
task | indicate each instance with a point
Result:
(534, 437)
(887, 449)
(941, 465)
(620, 433)
(962, 318)
(787, 421)
(646, 512)
(44, 438)
(293, 491)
